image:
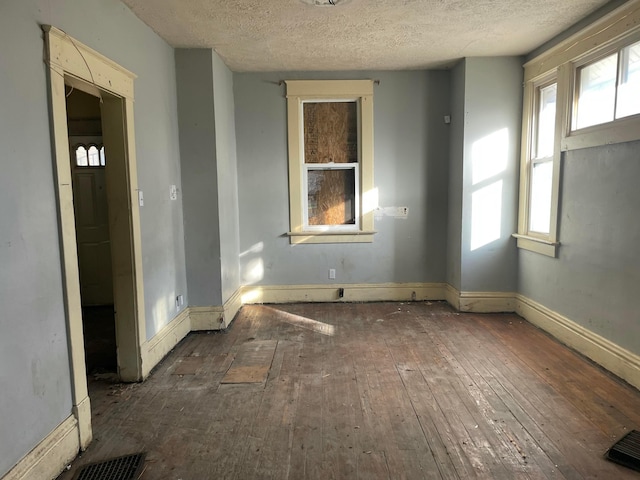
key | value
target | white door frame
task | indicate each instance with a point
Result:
(72, 63)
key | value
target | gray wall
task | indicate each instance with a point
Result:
(411, 154)
(209, 174)
(596, 278)
(34, 361)
(493, 115)
(456, 163)
(227, 178)
(194, 73)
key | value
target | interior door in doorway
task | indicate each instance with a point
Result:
(92, 221)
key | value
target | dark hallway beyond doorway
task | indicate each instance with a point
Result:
(99, 328)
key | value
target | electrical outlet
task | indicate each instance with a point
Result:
(332, 274)
(402, 212)
(173, 192)
(179, 301)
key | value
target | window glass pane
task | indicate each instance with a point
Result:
(332, 197)
(81, 156)
(629, 87)
(330, 132)
(94, 156)
(540, 202)
(546, 121)
(102, 159)
(596, 92)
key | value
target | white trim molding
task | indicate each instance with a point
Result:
(612, 357)
(49, 458)
(392, 292)
(206, 318)
(155, 349)
(216, 317)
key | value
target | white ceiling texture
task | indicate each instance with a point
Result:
(289, 35)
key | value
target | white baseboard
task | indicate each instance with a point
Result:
(216, 317)
(351, 293)
(452, 296)
(82, 412)
(487, 302)
(206, 318)
(50, 456)
(232, 307)
(614, 358)
(154, 350)
(481, 302)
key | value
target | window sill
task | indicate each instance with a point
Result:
(331, 237)
(538, 245)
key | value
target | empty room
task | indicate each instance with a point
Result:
(314, 239)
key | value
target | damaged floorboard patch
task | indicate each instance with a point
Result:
(252, 362)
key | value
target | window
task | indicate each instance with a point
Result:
(330, 160)
(538, 195)
(581, 93)
(541, 164)
(609, 88)
(90, 156)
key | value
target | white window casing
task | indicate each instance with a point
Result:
(611, 35)
(361, 229)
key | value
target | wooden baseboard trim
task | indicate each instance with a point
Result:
(231, 307)
(612, 357)
(206, 318)
(82, 412)
(487, 302)
(393, 292)
(481, 302)
(51, 455)
(452, 296)
(154, 350)
(216, 317)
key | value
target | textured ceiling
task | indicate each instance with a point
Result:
(287, 35)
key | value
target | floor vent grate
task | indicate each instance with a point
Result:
(128, 467)
(626, 451)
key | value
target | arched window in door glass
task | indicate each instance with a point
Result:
(81, 156)
(94, 156)
(90, 156)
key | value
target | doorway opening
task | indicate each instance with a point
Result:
(91, 213)
(74, 65)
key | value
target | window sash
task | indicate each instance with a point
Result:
(540, 202)
(351, 227)
(620, 101)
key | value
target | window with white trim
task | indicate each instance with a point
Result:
(584, 92)
(539, 179)
(608, 88)
(330, 160)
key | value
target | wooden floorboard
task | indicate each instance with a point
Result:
(368, 391)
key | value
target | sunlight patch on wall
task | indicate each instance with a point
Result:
(370, 201)
(489, 160)
(486, 215)
(489, 156)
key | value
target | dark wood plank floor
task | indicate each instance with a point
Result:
(370, 391)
